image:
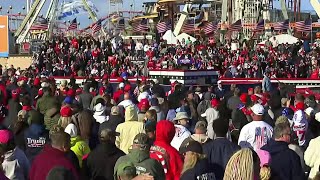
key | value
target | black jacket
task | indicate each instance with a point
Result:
(101, 161)
(202, 170)
(35, 137)
(218, 153)
(85, 99)
(285, 164)
(112, 124)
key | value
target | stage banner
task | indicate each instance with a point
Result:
(4, 36)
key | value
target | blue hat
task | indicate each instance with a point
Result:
(68, 100)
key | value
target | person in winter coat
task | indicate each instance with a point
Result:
(35, 136)
(115, 119)
(85, 97)
(13, 108)
(140, 158)
(78, 146)
(195, 164)
(16, 165)
(285, 162)
(101, 161)
(53, 155)
(47, 101)
(155, 105)
(129, 129)
(18, 129)
(205, 103)
(220, 149)
(164, 153)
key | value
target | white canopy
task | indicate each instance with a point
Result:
(185, 37)
(170, 37)
(282, 39)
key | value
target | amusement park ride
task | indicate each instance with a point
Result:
(177, 11)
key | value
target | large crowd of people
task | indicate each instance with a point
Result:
(98, 131)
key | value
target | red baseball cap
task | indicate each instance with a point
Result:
(66, 111)
(214, 103)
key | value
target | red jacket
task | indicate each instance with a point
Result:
(48, 159)
(171, 159)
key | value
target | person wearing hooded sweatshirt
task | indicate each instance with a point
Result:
(78, 146)
(164, 153)
(285, 162)
(36, 136)
(154, 102)
(129, 129)
(140, 158)
(99, 113)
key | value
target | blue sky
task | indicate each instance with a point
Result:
(102, 6)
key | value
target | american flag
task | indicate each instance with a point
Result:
(260, 26)
(210, 27)
(142, 26)
(96, 27)
(281, 26)
(304, 26)
(163, 27)
(189, 26)
(261, 137)
(236, 26)
(39, 26)
(121, 24)
(73, 25)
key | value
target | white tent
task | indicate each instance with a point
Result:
(170, 37)
(185, 37)
(282, 39)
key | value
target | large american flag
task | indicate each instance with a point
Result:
(210, 27)
(188, 26)
(236, 26)
(142, 26)
(73, 25)
(39, 26)
(281, 26)
(163, 27)
(96, 27)
(260, 26)
(304, 26)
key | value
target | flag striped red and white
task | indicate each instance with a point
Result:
(96, 27)
(188, 27)
(39, 26)
(281, 26)
(260, 137)
(210, 27)
(304, 26)
(163, 27)
(260, 26)
(73, 25)
(236, 26)
(142, 26)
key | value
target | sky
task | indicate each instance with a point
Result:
(102, 6)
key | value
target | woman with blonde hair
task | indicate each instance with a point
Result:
(195, 164)
(151, 115)
(65, 118)
(243, 165)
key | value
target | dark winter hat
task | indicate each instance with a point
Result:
(60, 173)
(141, 139)
(192, 146)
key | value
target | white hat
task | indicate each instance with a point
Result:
(99, 109)
(71, 129)
(45, 84)
(181, 115)
(317, 116)
(121, 85)
(258, 109)
(309, 111)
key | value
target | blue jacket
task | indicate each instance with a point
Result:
(285, 163)
(202, 170)
(36, 136)
(218, 153)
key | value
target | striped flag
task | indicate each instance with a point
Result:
(96, 27)
(210, 27)
(304, 26)
(39, 26)
(163, 27)
(142, 26)
(236, 26)
(73, 25)
(281, 26)
(189, 26)
(260, 26)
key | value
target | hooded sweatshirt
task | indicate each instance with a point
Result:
(36, 136)
(162, 151)
(143, 163)
(129, 129)
(285, 162)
